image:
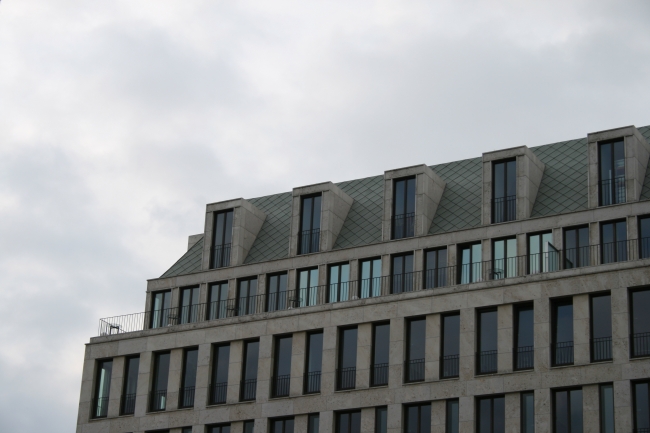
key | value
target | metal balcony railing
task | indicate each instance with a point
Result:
(640, 344)
(158, 400)
(127, 404)
(312, 382)
(611, 191)
(486, 362)
(562, 353)
(248, 390)
(280, 385)
(186, 397)
(220, 256)
(100, 407)
(403, 225)
(414, 370)
(449, 366)
(309, 241)
(504, 209)
(524, 357)
(218, 392)
(346, 378)
(379, 374)
(601, 349)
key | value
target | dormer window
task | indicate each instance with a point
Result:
(611, 182)
(504, 191)
(222, 240)
(404, 208)
(309, 237)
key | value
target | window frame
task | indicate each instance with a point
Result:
(284, 420)
(405, 280)
(419, 362)
(442, 346)
(643, 249)
(630, 303)
(581, 262)
(244, 368)
(341, 354)
(616, 242)
(614, 197)
(308, 344)
(95, 407)
(311, 292)
(220, 302)
(479, 332)
(337, 419)
(314, 246)
(224, 248)
(633, 384)
(515, 344)
(164, 321)
(555, 303)
(440, 273)
(506, 196)
(276, 365)
(339, 285)
(214, 368)
(373, 364)
(251, 306)
(506, 259)
(420, 428)
(522, 395)
(554, 406)
(279, 304)
(472, 264)
(124, 396)
(192, 313)
(184, 386)
(491, 398)
(592, 317)
(374, 283)
(408, 227)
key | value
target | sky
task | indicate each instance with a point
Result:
(120, 120)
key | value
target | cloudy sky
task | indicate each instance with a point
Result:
(120, 120)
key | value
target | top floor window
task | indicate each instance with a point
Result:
(613, 241)
(102, 388)
(611, 160)
(576, 247)
(309, 236)
(161, 311)
(403, 222)
(221, 239)
(504, 191)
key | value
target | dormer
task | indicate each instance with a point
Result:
(230, 229)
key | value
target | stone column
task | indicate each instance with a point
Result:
(396, 355)
(264, 366)
(466, 414)
(144, 384)
(438, 415)
(115, 391)
(418, 262)
(326, 422)
(620, 326)
(261, 425)
(581, 331)
(232, 289)
(513, 411)
(543, 410)
(467, 345)
(505, 338)
(174, 380)
(394, 418)
(298, 347)
(203, 297)
(432, 348)
(542, 338)
(590, 408)
(367, 420)
(522, 250)
(237, 427)
(86, 394)
(300, 423)
(328, 373)
(364, 347)
(623, 406)
(202, 376)
(594, 239)
(234, 371)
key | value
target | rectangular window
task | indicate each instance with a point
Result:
(370, 284)
(282, 425)
(225, 428)
(247, 298)
(641, 406)
(348, 422)
(613, 241)
(380, 350)
(640, 322)
(415, 342)
(309, 239)
(644, 237)
(528, 412)
(161, 310)
(102, 388)
(542, 254)
(601, 327)
(470, 268)
(504, 191)
(188, 385)
(486, 357)
(418, 418)
(562, 332)
(314, 362)
(282, 367)
(504, 263)
(189, 305)
(307, 288)
(313, 423)
(402, 279)
(403, 208)
(158, 400)
(567, 411)
(339, 282)
(606, 408)
(450, 345)
(381, 419)
(347, 373)
(524, 337)
(218, 301)
(220, 363)
(435, 264)
(611, 157)
(276, 292)
(576, 247)
(186, 430)
(491, 415)
(130, 386)
(452, 421)
(248, 388)
(221, 239)
(249, 426)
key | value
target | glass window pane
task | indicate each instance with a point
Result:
(348, 347)
(640, 308)
(601, 317)
(250, 360)
(564, 322)
(416, 339)
(641, 405)
(249, 427)
(561, 412)
(412, 418)
(527, 412)
(161, 373)
(452, 423)
(315, 352)
(220, 367)
(381, 420)
(525, 328)
(451, 335)
(499, 415)
(606, 408)
(191, 358)
(488, 330)
(313, 423)
(283, 356)
(381, 343)
(576, 410)
(485, 415)
(499, 180)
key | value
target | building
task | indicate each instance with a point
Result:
(504, 293)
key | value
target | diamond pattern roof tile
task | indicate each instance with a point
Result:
(363, 223)
(188, 263)
(272, 242)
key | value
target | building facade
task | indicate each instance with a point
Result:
(507, 293)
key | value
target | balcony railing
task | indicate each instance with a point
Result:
(486, 362)
(346, 378)
(524, 357)
(127, 404)
(449, 366)
(642, 430)
(220, 256)
(504, 209)
(186, 397)
(640, 343)
(403, 225)
(158, 400)
(218, 392)
(414, 370)
(280, 385)
(612, 191)
(309, 241)
(100, 407)
(248, 390)
(562, 353)
(601, 349)
(379, 374)
(312, 382)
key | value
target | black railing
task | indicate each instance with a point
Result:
(403, 225)
(346, 378)
(309, 241)
(218, 392)
(217, 310)
(504, 209)
(562, 353)
(640, 343)
(612, 191)
(414, 370)
(100, 407)
(220, 256)
(248, 390)
(601, 349)
(642, 430)
(127, 404)
(486, 362)
(436, 278)
(644, 248)
(280, 385)
(379, 374)
(403, 282)
(312, 382)
(449, 366)
(189, 313)
(186, 397)
(613, 252)
(524, 357)
(158, 400)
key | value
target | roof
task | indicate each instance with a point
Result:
(563, 189)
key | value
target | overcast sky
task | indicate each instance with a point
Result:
(120, 120)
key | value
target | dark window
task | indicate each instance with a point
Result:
(404, 208)
(247, 298)
(186, 394)
(641, 406)
(504, 191)
(504, 264)
(219, 429)
(248, 388)
(158, 399)
(601, 327)
(415, 342)
(486, 356)
(161, 310)
(528, 412)
(370, 278)
(218, 301)
(283, 425)
(282, 367)
(314, 362)
(640, 322)
(186, 430)
(347, 372)
(130, 386)
(309, 239)
(576, 247)
(339, 282)
(249, 426)
(380, 350)
(102, 388)
(402, 279)
(381, 419)
(469, 259)
(418, 418)
(611, 157)
(189, 305)
(307, 288)
(277, 295)
(607, 408)
(644, 237)
(222, 239)
(491, 415)
(542, 254)
(220, 363)
(567, 411)
(524, 337)
(450, 345)
(348, 422)
(562, 332)
(613, 241)
(452, 421)
(313, 423)
(435, 264)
